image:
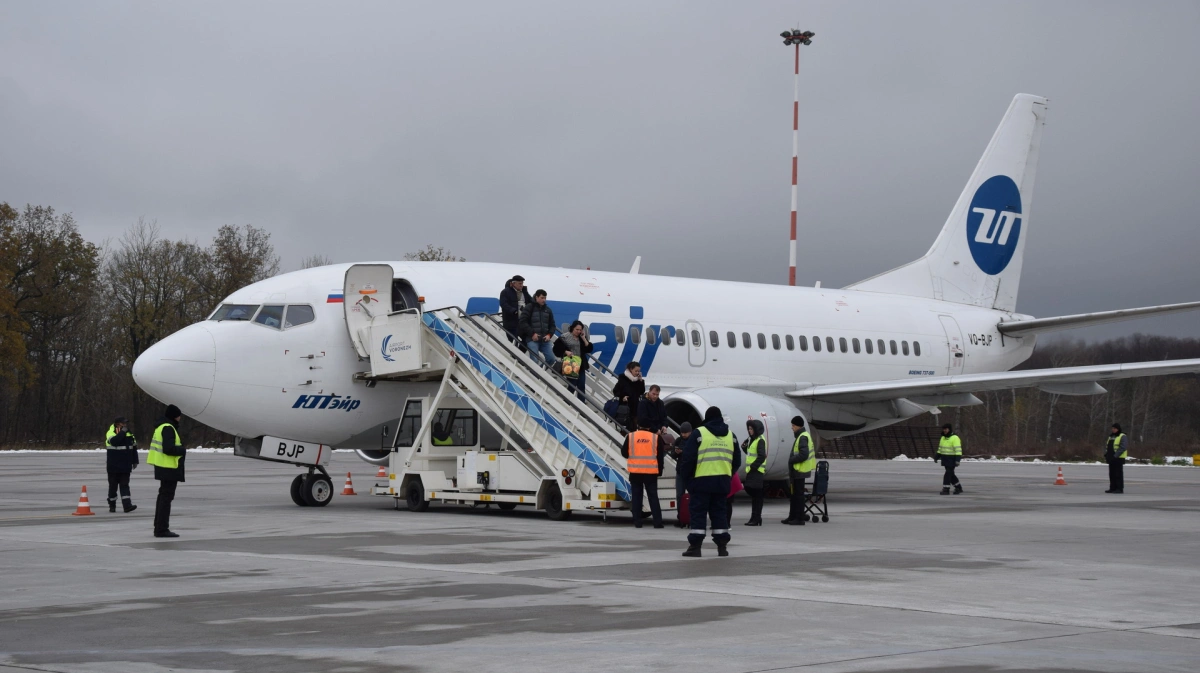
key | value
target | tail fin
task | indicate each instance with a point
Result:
(977, 257)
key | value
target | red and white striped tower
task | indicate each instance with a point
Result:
(797, 38)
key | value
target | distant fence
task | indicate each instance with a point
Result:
(885, 443)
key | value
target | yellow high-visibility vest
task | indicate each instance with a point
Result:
(715, 456)
(950, 446)
(1116, 446)
(809, 463)
(752, 455)
(156, 455)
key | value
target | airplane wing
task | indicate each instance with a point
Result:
(1062, 380)
(1020, 328)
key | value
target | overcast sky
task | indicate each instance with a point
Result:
(572, 134)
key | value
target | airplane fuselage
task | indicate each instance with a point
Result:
(299, 382)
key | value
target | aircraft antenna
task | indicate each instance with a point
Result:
(795, 37)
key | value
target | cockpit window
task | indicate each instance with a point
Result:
(271, 316)
(234, 312)
(298, 314)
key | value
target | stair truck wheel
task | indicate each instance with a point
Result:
(317, 490)
(297, 490)
(414, 496)
(507, 506)
(554, 505)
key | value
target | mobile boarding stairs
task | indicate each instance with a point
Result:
(556, 452)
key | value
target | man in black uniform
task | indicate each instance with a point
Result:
(1115, 454)
(709, 460)
(801, 463)
(513, 299)
(166, 455)
(122, 459)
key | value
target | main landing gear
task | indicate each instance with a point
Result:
(313, 489)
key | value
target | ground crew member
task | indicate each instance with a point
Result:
(709, 459)
(756, 469)
(801, 463)
(950, 455)
(1115, 454)
(441, 437)
(166, 455)
(122, 459)
(644, 454)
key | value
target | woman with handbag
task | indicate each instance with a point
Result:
(573, 347)
(629, 389)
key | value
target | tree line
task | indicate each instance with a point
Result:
(74, 315)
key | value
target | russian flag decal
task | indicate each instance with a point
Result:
(335, 297)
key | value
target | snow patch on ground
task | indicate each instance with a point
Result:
(1039, 461)
(102, 449)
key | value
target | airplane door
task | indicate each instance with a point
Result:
(956, 352)
(367, 292)
(695, 340)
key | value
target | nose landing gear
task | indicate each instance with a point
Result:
(312, 489)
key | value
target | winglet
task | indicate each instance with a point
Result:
(637, 265)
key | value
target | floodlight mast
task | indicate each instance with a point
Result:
(797, 38)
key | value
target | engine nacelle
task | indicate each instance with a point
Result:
(375, 456)
(739, 406)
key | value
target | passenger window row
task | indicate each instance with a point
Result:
(842, 344)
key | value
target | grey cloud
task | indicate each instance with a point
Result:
(550, 133)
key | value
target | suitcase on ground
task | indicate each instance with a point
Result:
(685, 514)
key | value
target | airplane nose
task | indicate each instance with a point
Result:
(180, 369)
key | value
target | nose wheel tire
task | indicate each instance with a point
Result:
(317, 490)
(297, 491)
(414, 496)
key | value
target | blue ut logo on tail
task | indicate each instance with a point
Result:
(994, 223)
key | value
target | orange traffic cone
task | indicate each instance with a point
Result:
(84, 509)
(381, 474)
(1060, 481)
(349, 490)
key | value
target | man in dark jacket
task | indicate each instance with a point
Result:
(1115, 453)
(513, 298)
(709, 459)
(166, 455)
(537, 328)
(122, 459)
(644, 455)
(801, 463)
(651, 411)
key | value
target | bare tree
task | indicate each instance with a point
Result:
(432, 254)
(315, 260)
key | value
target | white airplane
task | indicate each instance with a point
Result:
(276, 358)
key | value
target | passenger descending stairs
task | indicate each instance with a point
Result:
(566, 433)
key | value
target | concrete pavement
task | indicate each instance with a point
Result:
(1014, 575)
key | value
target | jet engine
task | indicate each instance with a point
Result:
(739, 406)
(374, 456)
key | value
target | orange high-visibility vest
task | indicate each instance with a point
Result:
(643, 454)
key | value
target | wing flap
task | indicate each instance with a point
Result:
(876, 391)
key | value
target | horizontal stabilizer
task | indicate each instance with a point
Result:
(1055, 379)
(1020, 328)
